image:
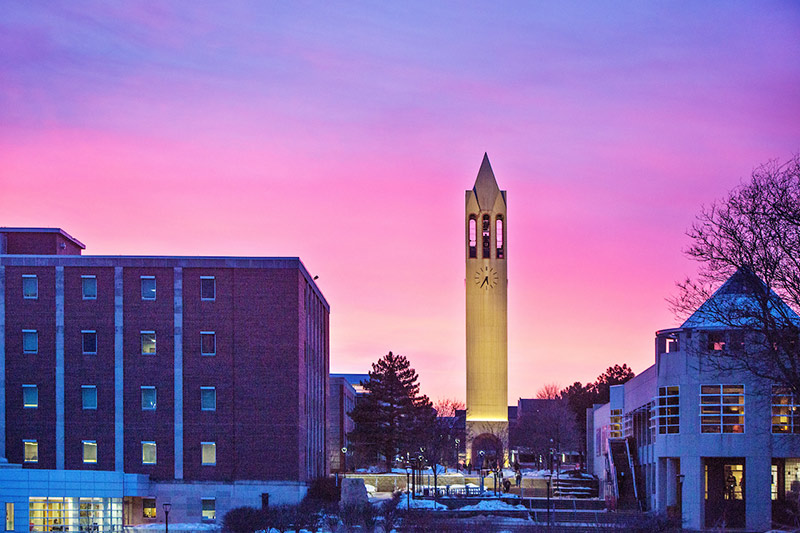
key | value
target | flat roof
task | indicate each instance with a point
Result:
(45, 230)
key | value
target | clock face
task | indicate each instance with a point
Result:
(486, 278)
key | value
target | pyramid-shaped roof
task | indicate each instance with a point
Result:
(736, 304)
(486, 189)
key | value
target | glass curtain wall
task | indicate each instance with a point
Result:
(94, 515)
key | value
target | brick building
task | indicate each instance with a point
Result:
(131, 381)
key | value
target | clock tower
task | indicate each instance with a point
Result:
(486, 251)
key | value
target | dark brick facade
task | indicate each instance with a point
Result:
(264, 379)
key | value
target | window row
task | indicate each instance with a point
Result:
(208, 506)
(486, 237)
(30, 397)
(208, 452)
(30, 287)
(30, 342)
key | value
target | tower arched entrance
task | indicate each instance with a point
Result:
(492, 448)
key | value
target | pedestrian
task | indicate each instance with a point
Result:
(518, 477)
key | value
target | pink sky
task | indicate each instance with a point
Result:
(346, 134)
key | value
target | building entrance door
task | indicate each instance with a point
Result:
(725, 492)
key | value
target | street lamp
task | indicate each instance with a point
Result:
(458, 452)
(483, 458)
(344, 454)
(408, 486)
(167, 506)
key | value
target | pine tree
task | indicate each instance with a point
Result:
(392, 418)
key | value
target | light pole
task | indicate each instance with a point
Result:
(483, 458)
(344, 454)
(408, 486)
(167, 506)
(549, 480)
(458, 452)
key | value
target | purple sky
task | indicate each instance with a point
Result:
(346, 134)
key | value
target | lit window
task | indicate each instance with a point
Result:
(209, 509)
(148, 507)
(668, 410)
(615, 425)
(499, 235)
(209, 453)
(208, 398)
(473, 237)
(148, 453)
(487, 236)
(89, 451)
(30, 396)
(89, 342)
(9, 516)
(722, 408)
(31, 451)
(148, 398)
(89, 287)
(208, 343)
(208, 288)
(89, 396)
(30, 341)
(30, 287)
(716, 341)
(148, 287)
(148, 342)
(785, 411)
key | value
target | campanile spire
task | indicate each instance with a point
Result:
(486, 251)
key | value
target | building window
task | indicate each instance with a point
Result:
(785, 411)
(89, 451)
(148, 507)
(30, 341)
(499, 236)
(208, 343)
(722, 408)
(148, 342)
(89, 342)
(89, 287)
(148, 453)
(668, 410)
(208, 398)
(9, 516)
(473, 237)
(30, 287)
(89, 396)
(716, 341)
(209, 453)
(148, 287)
(487, 236)
(31, 451)
(30, 396)
(208, 288)
(148, 398)
(209, 509)
(615, 425)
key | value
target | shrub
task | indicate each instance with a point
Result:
(323, 490)
(244, 520)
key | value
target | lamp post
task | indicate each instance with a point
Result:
(408, 486)
(458, 452)
(482, 456)
(344, 455)
(549, 479)
(167, 506)
(679, 495)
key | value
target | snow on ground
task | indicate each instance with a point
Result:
(370, 488)
(493, 505)
(420, 504)
(177, 528)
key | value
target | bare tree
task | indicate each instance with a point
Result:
(549, 391)
(748, 246)
(549, 424)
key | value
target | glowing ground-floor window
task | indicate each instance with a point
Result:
(94, 515)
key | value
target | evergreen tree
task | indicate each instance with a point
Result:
(392, 418)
